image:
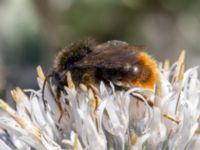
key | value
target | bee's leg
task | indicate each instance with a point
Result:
(58, 82)
(57, 98)
(142, 100)
(43, 90)
(89, 80)
(56, 95)
(88, 77)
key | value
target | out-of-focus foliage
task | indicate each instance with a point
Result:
(31, 32)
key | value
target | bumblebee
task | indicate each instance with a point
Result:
(125, 65)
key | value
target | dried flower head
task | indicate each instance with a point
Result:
(100, 117)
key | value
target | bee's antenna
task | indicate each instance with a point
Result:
(43, 90)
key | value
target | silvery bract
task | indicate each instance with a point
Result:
(100, 117)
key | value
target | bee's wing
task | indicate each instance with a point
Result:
(110, 55)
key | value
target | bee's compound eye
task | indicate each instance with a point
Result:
(136, 70)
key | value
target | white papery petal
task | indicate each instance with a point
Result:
(189, 127)
(49, 143)
(31, 142)
(95, 140)
(4, 146)
(194, 143)
(103, 90)
(157, 130)
(11, 125)
(73, 139)
(140, 142)
(39, 117)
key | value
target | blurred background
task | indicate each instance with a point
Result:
(32, 31)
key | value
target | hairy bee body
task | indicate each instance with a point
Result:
(124, 65)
